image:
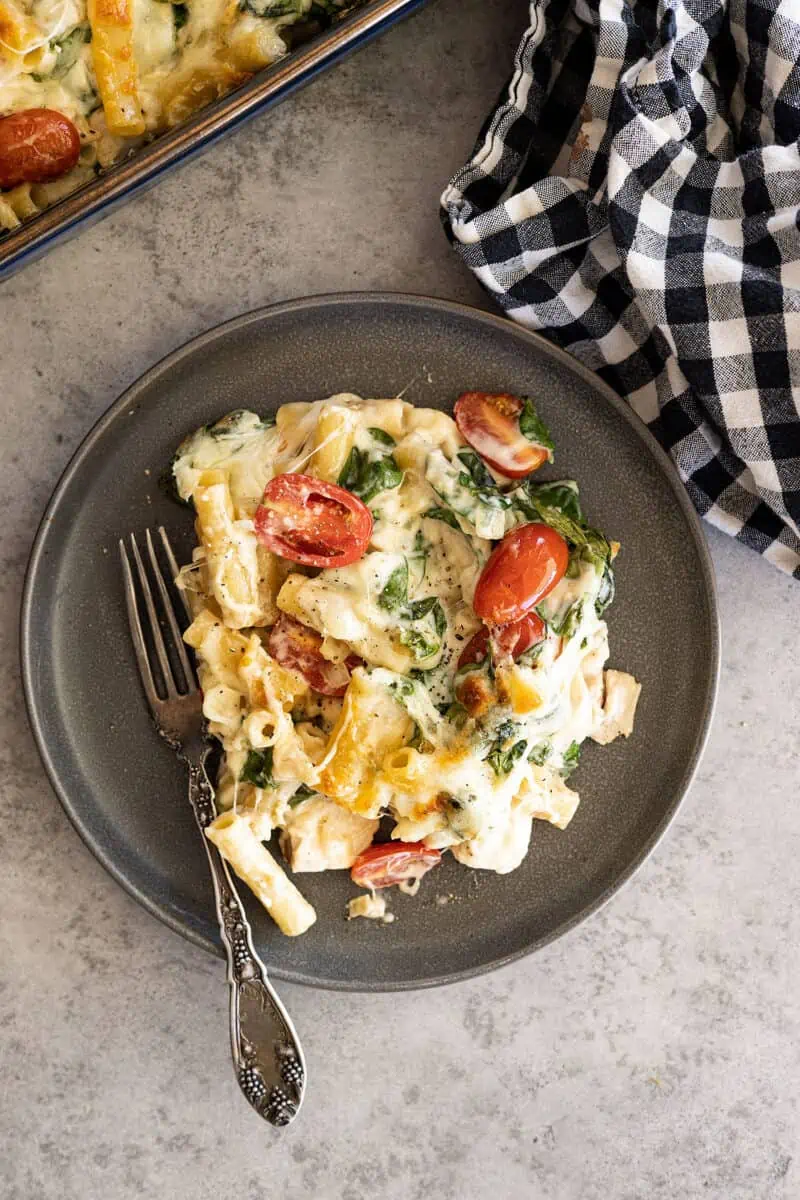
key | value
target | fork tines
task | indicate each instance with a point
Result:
(159, 620)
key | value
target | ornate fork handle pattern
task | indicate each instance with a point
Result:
(266, 1051)
(267, 1056)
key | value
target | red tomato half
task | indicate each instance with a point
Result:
(35, 145)
(312, 522)
(514, 639)
(296, 646)
(489, 421)
(520, 572)
(381, 865)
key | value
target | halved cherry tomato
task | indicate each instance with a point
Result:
(489, 421)
(295, 645)
(36, 144)
(312, 522)
(520, 572)
(385, 863)
(512, 639)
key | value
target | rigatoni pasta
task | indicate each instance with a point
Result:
(115, 67)
(353, 682)
(122, 71)
(256, 867)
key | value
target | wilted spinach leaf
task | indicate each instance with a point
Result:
(606, 591)
(532, 427)
(476, 478)
(257, 768)
(302, 793)
(443, 514)
(502, 761)
(420, 608)
(571, 758)
(540, 754)
(380, 435)
(395, 591)
(561, 494)
(366, 478)
(420, 646)
(271, 9)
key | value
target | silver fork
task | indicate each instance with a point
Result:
(267, 1055)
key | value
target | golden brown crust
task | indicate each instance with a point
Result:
(475, 693)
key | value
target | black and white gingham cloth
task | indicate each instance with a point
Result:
(635, 196)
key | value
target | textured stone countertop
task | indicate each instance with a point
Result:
(655, 1052)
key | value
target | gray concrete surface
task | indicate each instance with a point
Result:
(653, 1053)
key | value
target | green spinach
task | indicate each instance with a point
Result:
(561, 494)
(367, 478)
(558, 506)
(570, 621)
(540, 754)
(594, 546)
(443, 514)
(69, 48)
(502, 761)
(532, 655)
(257, 768)
(227, 426)
(476, 478)
(456, 714)
(419, 645)
(532, 427)
(571, 759)
(606, 591)
(271, 9)
(401, 687)
(421, 608)
(302, 793)
(394, 594)
(380, 435)
(394, 598)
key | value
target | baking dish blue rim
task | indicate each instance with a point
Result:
(144, 169)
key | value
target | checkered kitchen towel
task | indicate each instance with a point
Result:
(635, 196)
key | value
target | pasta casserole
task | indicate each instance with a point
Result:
(399, 631)
(83, 82)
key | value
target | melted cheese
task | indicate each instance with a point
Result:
(500, 846)
(242, 446)
(185, 55)
(371, 725)
(397, 744)
(323, 836)
(343, 603)
(369, 905)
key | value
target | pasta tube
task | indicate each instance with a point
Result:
(115, 65)
(233, 836)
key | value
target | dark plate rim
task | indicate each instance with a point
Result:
(535, 341)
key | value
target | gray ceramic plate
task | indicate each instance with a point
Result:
(124, 791)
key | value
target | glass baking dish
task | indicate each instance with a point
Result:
(131, 176)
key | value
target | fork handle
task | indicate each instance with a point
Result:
(267, 1055)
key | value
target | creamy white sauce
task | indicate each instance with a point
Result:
(463, 786)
